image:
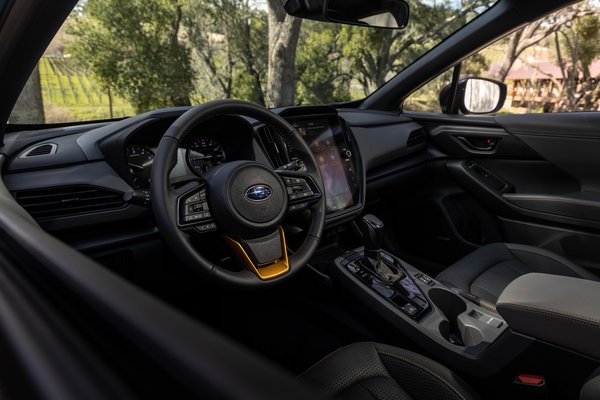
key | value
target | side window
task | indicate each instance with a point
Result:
(550, 65)
(426, 99)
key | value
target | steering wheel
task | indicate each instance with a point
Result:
(244, 201)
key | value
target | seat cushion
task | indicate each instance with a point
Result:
(375, 371)
(487, 271)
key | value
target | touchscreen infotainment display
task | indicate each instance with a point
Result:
(318, 134)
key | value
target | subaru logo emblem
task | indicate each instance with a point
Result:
(259, 192)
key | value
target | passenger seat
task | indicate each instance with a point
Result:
(487, 271)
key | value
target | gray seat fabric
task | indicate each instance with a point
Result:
(591, 388)
(371, 371)
(487, 271)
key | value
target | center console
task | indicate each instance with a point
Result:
(453, 328)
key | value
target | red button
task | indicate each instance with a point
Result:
(530, 379)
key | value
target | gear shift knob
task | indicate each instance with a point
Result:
(372, 230)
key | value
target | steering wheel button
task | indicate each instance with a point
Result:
(194, 208)
(206, 228)
(193, 199)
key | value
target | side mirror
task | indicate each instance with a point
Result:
(392, 14)
(476, 96)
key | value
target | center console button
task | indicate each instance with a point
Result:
(410, 309)
(420, 302)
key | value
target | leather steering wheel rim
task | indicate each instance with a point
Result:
(165, 199)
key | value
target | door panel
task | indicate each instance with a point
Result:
(576, 156)
(469, 142)
(537, 175)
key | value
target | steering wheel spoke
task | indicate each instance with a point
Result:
(193, 212)
(302, 191)
(266, 256)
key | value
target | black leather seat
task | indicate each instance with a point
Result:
(487, 271)
(376, 371)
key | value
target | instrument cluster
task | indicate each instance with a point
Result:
(212, 143)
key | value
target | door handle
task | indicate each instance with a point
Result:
(479, 143)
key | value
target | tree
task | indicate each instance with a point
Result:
(284, 32)
(537, 31)
(229, 38)
(577, 46)
(319, 65)
(376, 54)
(135, 49)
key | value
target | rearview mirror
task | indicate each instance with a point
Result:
(475, 96)
(391, 14)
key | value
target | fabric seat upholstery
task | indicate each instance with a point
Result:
(487, 271)
(379, 372)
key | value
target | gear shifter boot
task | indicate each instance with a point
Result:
(385, 272)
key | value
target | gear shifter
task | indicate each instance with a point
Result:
(372, 229)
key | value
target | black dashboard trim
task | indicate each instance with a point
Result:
(101, 159)
(114, 146)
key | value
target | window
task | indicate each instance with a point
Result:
(115, 58)
(550, 65)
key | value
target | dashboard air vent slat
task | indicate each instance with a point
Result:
(416, 138)
(44, 149)
(67, 201)
(271, 147)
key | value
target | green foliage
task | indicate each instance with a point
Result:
(228, 38)
(476, 65)
(577, 46)
(426, 99)
(377, 54)
(159, 53)
(587, 29)
(319, 66)
(134, 48)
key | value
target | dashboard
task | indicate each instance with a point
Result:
(98, 174)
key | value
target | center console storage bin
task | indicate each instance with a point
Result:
(561, 310)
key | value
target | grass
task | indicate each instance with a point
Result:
(70, 94)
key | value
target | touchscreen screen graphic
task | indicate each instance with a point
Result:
(319, 136)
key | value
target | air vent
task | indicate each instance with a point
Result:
(44, 149)
(416, 138)
(67, 201)
(272, 147)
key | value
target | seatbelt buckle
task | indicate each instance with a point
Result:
(527, 386)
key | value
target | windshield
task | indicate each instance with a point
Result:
(116, 58)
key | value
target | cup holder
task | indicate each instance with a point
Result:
(453, 328)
